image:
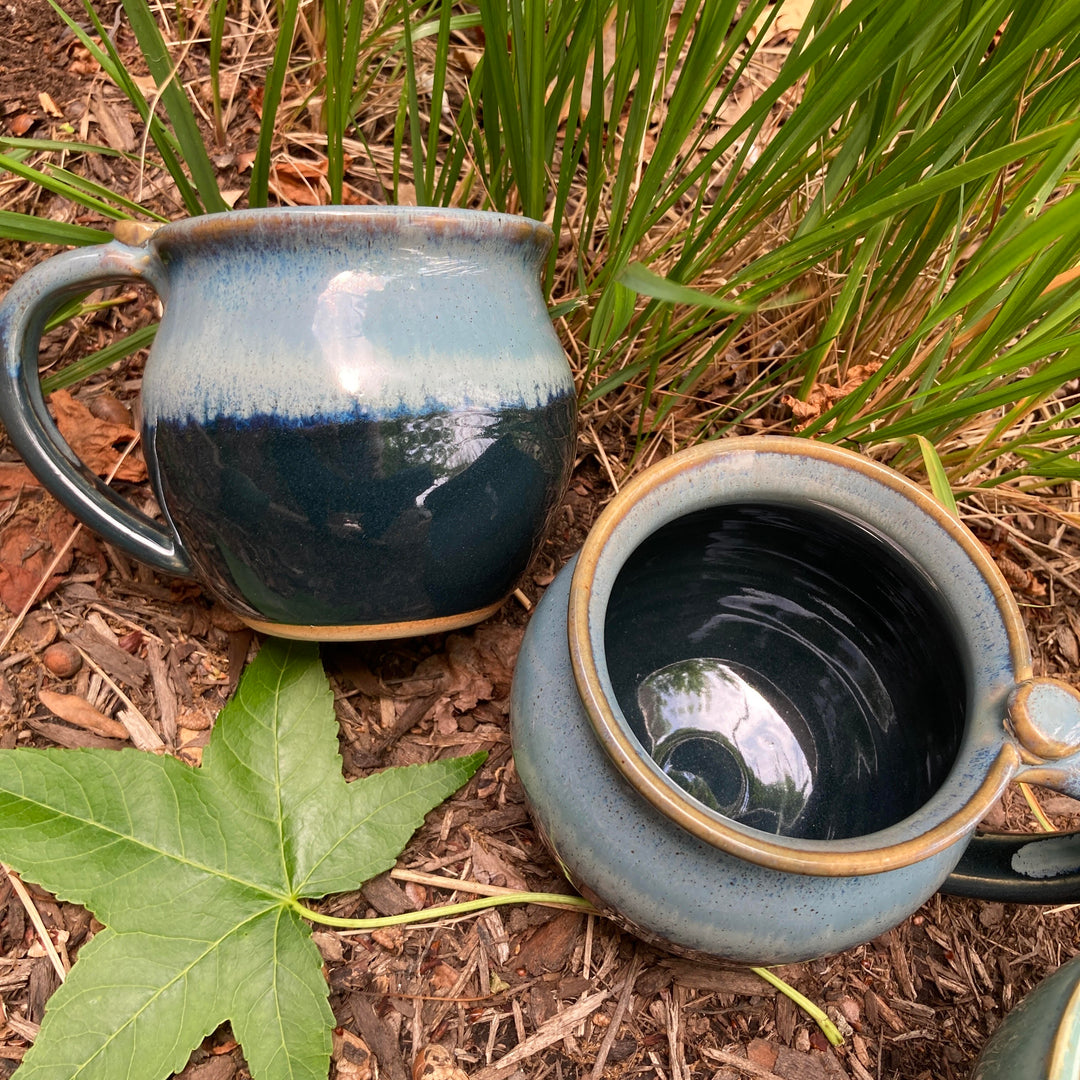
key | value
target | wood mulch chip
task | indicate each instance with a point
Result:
(517, 991)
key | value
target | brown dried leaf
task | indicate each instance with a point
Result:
(46, 102)
(490, 869)
(78, 711)
(351, 1056)
(95, 441)
(821, 398)
(15, 478)
(115, 126)
(443, 976)
(27, 547)
(299, 183)
(435, 1062)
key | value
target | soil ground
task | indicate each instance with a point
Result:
(919, 1002)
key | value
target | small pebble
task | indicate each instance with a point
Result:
(106, 407)
(38, 630)
(62, 659)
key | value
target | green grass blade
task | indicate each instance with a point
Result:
(259, 189)
(98, 361)
(442, 51)
(935, 471)
(113, 66)
(218, 10)
(644, 281)
(413, 108)
(176, 104)
(28, 229)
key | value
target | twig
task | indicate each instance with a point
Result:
(549, 1033)
(744, 1065)
(137, 726)
(604, 459)
(617, 1018)
(35, 918)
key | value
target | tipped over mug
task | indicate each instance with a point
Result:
(763, 711)
(357, 421)
(1040, 1038)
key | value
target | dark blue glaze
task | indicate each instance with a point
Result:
(365, 520)
(791, 669)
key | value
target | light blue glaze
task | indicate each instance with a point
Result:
(357, 421)
(667, 885)
(1040, 1038)
(631, 838)
(342, 312)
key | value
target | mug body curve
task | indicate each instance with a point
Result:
(646, 871)
(359, 420)
(781, 672)
(861, 630)
(1040, 1038)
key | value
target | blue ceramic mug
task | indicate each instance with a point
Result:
(1040, 1038)
(357, 421)
(763, 711)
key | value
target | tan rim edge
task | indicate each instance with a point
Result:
(373, 631)
(627, 756)
(1063, 1051)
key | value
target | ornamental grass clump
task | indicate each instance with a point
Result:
(862, 228)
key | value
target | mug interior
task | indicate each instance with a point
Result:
(787, 667)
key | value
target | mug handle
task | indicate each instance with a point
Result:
(1032, 868)
(23, 314)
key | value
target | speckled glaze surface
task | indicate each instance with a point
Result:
(358, 420)
(1040, 1038)
(762, 712)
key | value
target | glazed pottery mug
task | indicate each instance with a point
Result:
(357, 421)
(1040, 1038)
(762, 712)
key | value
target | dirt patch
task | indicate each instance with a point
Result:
(570, 996)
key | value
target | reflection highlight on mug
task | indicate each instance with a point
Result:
(741, 750)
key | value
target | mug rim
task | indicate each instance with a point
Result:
(449, 222)
(885, 850)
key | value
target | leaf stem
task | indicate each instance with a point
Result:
(575, 903)
(829, 1029)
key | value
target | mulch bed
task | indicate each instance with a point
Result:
(551, 994)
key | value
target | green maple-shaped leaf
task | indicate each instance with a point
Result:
(198, 873)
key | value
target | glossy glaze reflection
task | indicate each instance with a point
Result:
(788, 668)
(419, 515)
(357, 420)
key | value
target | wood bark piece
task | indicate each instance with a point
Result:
(744, 1065)
(119, 664)
(549, 946)
(386, 897)
(168, 705)
(78, 711)
(379, 1037)
(620, 1011)
(555, 1030)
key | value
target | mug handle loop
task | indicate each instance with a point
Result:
(23, 314)
(1038, 868)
